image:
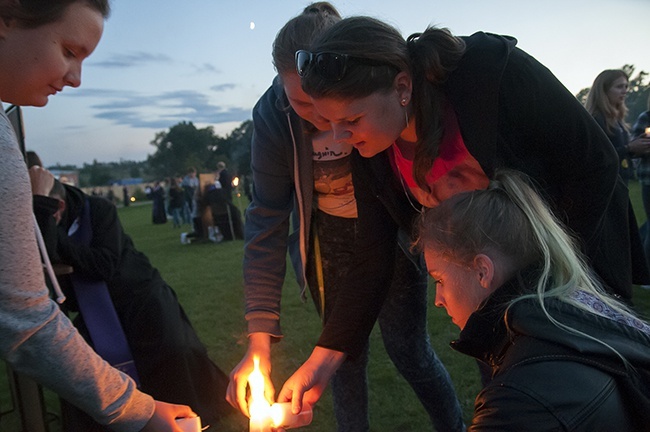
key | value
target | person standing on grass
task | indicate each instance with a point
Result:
(606, 103)
(564, 354)
(42, 47)
(300, 171)
(190, 185)
(176, 201)
(436, 115)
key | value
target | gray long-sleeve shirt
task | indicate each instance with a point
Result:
(36, 338)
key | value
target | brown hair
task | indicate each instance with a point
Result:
(299, 32)
(598, 101)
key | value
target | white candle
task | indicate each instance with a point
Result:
(283, 417)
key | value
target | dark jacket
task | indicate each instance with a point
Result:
(512, 113)
(176, 197)
(548, 379)
(620, 138)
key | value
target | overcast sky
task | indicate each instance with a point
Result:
(161, 62)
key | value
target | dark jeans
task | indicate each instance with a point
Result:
(645, 238)
(403, 325)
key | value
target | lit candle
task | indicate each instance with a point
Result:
(264, 416)
(259, 408)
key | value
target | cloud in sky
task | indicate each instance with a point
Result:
(161, 110)
(207, 68)
(223, 87)
(133, 59)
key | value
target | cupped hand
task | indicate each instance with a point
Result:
(259, 346)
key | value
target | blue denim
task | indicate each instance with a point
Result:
(176, 216)
(187, 214)
(403, 325)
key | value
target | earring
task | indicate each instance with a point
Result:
(403, 102)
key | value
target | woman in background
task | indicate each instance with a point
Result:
(606, 102)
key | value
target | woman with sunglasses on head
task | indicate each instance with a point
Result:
(564, 355)
(298, 169)
(42, 46)
(436, 116)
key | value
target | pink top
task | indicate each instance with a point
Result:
(454, 170)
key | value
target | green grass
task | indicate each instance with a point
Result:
(208, 281)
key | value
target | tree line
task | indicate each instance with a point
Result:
(180, 147)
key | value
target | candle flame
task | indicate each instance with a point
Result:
(259, 408)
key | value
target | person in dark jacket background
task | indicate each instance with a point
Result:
(564, 355)
(170, 360)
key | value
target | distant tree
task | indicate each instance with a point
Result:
(106, 173)
(183, 145)
(96, 174)
(637, 95)
(60, 167)
(237, 147)
(135, 171)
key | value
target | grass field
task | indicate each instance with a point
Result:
(208, 281)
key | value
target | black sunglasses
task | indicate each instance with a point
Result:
(330, 65)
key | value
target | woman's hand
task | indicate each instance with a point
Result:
(260, 346)
(164, 417)
(307, 384)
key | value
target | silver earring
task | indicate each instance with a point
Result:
(403, 102)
